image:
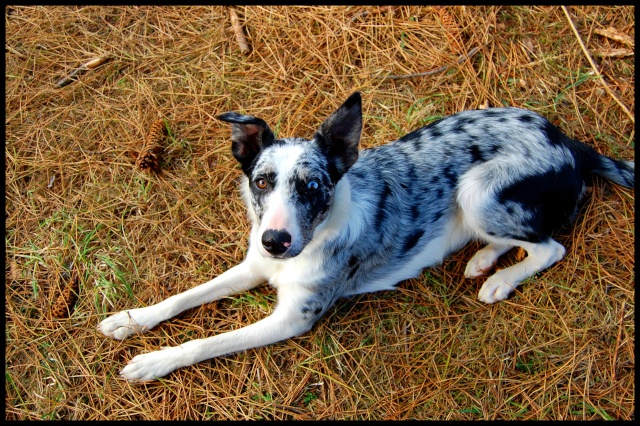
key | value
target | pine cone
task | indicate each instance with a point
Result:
(453, 29)
(65, 302)
(151, 154)
(150, 159)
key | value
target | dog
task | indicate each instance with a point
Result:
(331, 221)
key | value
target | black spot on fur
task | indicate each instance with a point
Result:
(525, 118)
(352, 272)
(336, 251)
(435, 131)
(417, 144)
(410, 175)
(415, 212)
(476, 154)
(353, 266)
(436, 216)
(412, 240)
(462, 123)
(458, 127)
(550, 199)
(449, 175)
(381, 212)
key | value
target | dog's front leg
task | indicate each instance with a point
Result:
(125, 323)
(285, 322)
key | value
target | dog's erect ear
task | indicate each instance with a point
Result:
(339, 136)
(248, 136)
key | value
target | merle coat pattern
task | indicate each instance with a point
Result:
(331, 221)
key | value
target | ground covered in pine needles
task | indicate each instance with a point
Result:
(89, 233)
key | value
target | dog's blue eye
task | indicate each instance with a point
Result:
(312, 185)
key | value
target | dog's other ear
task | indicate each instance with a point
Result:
(339, 136)
(248, 136)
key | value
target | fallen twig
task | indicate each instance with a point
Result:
(614, 53)
(595, 68)
(237, 29)
(73, 75)
(616, 35)
(437, 70)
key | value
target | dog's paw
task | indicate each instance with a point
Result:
(495, 288)
(150, 366)
(125, 323)
(480, 264)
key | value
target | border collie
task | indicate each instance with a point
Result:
(330, 220)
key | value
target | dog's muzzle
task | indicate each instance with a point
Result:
(275, 241)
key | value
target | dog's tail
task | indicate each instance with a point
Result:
(621, 172)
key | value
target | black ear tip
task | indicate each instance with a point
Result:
(235, 118)
(227, 116)
(355, 98)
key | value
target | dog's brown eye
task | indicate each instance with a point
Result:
(261, 183)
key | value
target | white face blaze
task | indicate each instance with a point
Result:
(277, 210)
(280, 215)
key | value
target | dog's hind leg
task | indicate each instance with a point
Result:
(508, 205)
(125, 323)
(539, 256)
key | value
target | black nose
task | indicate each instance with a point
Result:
(276, 241)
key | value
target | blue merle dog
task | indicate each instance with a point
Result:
(331, 221)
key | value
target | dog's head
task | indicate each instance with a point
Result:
(290, 183)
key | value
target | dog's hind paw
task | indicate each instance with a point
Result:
(150, 366)
(478, 266)
(495, 289)
(125, 323)
(484, 260)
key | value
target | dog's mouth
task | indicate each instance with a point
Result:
(289, 253)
